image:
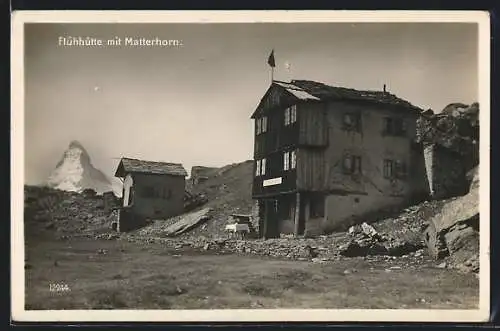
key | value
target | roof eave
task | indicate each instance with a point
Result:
(120, 173)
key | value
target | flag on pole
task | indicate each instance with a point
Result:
(270, 60)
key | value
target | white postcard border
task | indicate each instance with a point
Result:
(19, 314)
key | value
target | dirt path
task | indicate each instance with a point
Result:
(119, 274)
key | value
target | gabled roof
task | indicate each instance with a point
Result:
(128, 165)
(306, 90)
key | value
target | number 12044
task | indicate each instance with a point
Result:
(58, 287)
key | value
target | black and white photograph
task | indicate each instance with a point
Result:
(251, 166)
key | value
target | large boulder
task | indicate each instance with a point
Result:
(454, 231)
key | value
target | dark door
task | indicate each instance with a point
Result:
(302, 216)
(271, 228)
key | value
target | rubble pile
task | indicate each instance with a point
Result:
(66, 213)
(365, 240)
(320, 250)
(411, 221)
(290, 248)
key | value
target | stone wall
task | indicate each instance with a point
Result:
(199, 174)
(256, 216)
(446, 172)
(128, 220)
(110, 201)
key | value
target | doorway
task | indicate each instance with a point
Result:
(271, 225)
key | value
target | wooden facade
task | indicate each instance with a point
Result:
(344, 153)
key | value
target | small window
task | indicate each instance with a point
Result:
(394, 126)
(261, 125)
(388, 169)
(388, 125)
(260, 167)
(289, 160)
(352, 122)
(394, 169)
(352, 164)
(290, 115)
(286, 161)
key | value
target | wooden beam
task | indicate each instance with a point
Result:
(297, 214)
(307, 212)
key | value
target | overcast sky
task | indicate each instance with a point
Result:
(191, 104)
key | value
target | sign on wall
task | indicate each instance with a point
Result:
(272, 181)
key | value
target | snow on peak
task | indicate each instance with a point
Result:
(75, 172)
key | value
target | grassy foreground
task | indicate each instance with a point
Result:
(85, 274)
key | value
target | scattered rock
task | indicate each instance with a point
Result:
(311, 251)
(442, 265)
(369, 230)
(180, 290)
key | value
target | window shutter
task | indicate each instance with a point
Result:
(287, 116)
(357, 164)
(347, 120)
(403, 126)
(294, 160)
(387, 168)
(400, 169)
(264, 124)
(347, 164)
(293, 114)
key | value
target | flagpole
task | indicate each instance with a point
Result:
(272, 64)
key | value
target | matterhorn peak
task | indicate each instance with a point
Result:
(76, 144)
(75, 172)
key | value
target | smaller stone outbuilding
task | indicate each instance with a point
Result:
(151, 190)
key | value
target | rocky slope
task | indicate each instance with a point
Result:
(57, 213)
(228, 190)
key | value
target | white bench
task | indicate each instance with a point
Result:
(239, 230)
